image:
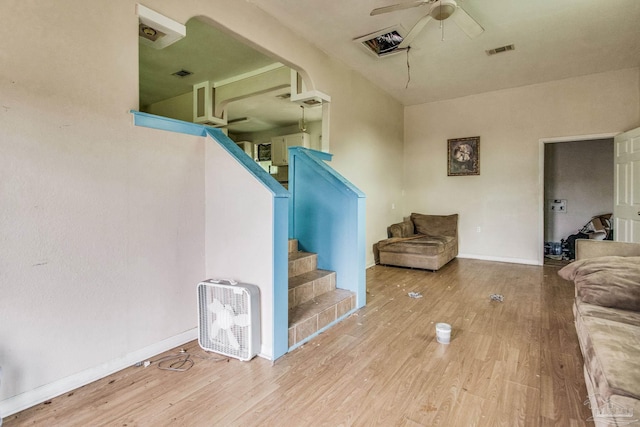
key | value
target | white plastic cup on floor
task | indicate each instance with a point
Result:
(443, 333)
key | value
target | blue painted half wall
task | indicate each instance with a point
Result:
(327, 216)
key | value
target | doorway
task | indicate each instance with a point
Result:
(578, 179)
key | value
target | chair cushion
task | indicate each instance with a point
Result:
(424, 245)
(435, 225)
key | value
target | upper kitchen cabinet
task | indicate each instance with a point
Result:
(280, 145)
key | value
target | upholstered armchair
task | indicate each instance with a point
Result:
(422, 241)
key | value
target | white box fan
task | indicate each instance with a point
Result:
(229, 318)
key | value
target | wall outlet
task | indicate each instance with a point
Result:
(479, 229)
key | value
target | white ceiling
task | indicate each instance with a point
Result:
(554, 39)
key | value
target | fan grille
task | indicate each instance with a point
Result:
(232, 302)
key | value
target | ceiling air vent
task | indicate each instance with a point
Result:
(384, 42)
(182, 73)
(500, 49)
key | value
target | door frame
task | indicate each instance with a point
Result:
(541, 145)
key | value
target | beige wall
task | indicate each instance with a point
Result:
(367, 150)
(504, 201)
(102, 224)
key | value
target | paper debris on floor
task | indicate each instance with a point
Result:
(496, 297)
(415, 295)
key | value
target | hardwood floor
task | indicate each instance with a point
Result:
(510, 363)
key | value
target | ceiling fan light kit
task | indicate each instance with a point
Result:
(442, 9)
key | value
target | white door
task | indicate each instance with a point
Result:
(626, 212)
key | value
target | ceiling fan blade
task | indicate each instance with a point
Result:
(414, 32)
(467, 23)
(394, 7)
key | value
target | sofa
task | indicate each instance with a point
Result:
(606, 276)
(420, 241)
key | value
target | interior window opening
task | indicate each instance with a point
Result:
(209, 77)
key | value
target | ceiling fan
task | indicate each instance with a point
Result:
(439, 10)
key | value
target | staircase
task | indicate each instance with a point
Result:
(314, 300)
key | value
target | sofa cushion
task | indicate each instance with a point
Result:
(419, 245)
(610, 349)
(608, 281)
(612, 411)
(435, 225)
(614, 314)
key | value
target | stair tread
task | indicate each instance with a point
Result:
(310, 276)
(317, 305)
(299, 255)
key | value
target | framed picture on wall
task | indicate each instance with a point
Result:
(264, 152)
(463, 156)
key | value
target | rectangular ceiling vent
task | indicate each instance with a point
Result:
(182, 73)
(500, 49)
(384, 42)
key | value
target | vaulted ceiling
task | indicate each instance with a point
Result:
(554, 39)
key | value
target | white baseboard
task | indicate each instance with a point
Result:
(41, 394)
(501, 259)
